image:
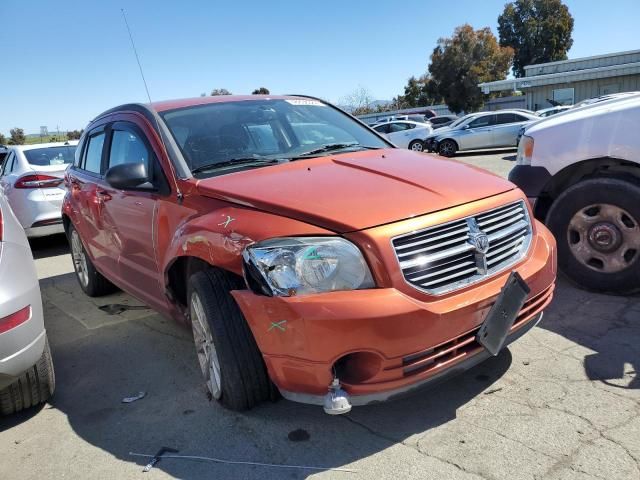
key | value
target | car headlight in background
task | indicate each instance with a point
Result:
(525, 151)
(292, 266)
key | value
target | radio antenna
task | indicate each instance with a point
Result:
(135, 51)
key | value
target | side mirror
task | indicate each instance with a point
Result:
(129, 176)
(466, 127)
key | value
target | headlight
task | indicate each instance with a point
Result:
(525, 151)
(300, 266)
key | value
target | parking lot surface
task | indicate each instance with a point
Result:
(561, 403)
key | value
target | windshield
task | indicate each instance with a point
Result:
(50, 155)
(226, 135)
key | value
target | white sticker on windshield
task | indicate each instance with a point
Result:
(305, 101)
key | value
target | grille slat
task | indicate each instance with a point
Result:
(442, 258)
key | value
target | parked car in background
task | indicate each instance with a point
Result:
(26, 368)
(339, 274)
(547, 112)
(442, 121)
(32, 180)
(480, 130)
(405, 133)
(604, 98)
(3, 153)
(581, 171)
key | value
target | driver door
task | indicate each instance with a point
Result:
(479, 134)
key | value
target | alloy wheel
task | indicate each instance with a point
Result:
(79, 259)
(205, 348)
(604, 237)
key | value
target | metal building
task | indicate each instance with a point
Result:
(571, 81)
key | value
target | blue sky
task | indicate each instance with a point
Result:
(66, 61)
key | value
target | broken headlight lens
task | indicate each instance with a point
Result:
(300, 266)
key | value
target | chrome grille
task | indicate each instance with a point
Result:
(450, 256)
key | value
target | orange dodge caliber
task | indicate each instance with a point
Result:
(309, 255)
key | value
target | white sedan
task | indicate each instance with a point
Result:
(405, 133)
(32, 180)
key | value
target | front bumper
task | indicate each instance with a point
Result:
(21, 346)
(400, 338)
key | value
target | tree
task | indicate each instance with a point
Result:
(3, 139)
(358, 102)
(74, 134)
(419, 92)
(17, 136)
(220, 91)
(261, 91)
(539, 31)
(460, 63)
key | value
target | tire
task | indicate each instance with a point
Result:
(447, 148)
(416, 146)
(242, 380)
(34, 386)
(597, 226)
(92, 282)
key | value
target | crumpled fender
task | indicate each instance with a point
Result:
(220, 236)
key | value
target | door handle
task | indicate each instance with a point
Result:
(103, 196)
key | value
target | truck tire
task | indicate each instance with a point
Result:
(231, 364)
(596, 223)
(447, 148)
(34, 386)
(92, 282)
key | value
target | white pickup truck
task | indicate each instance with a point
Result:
(581, 172)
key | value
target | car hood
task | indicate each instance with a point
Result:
(354, 191)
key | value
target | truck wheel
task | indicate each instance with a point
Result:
(231, 364)
(597, 225)
(34, 386)
(416, 146)
(447, 148)
(92, 282)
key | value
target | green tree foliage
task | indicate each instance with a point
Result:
(17, 136)
(419, 92)
(460, 63)
(539, 31)
(220, 91)
(3, 139)
(74, 134)
(261, 91)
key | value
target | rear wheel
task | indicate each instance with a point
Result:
(231, 364)
(416, 146)
(597, 225)
(447, 148)
(35, 386)
(92, 282)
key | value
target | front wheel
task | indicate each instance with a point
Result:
(447, 148)
(597, 226)
(231, 364)
(416, 146)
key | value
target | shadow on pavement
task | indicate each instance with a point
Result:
(475, 153)
(97, 367)
(50, 246)
(607, 325)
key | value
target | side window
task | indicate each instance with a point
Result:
(382, 129)
(93, 155)
(8, 164)
(483, 121)
(520, 118)
(505, 118)
(127, 147)
(397, 127)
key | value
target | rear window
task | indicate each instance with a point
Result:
(50, 155)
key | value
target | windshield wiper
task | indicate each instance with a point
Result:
(234, 161)
(331, 147)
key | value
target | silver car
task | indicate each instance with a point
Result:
(480, 130)
(32, 180)
(26, 369)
